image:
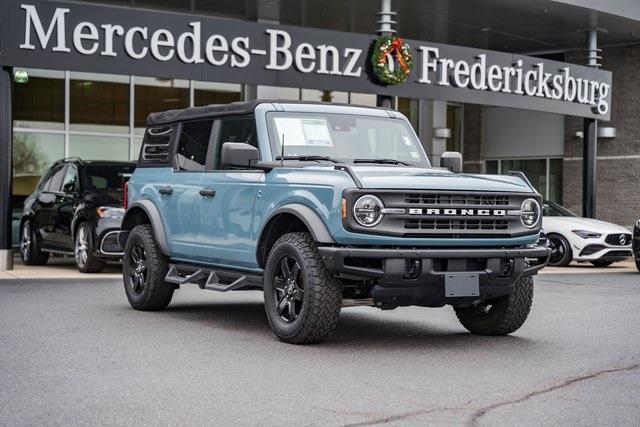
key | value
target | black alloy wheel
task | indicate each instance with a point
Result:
(302, 298)
(144, 268)
(86, 260)
(137, 269)
(25, 241)
(289, 289)
(561, 254)
(30, 251)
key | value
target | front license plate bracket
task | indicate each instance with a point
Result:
(461, 285)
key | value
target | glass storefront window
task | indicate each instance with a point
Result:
(275, 92)
(366, 99)
(135, 149)
(409, 107)
(99, 103)
(544, 174)
(39, 103)
(34, 152)
(99, 147)
(555, 180)
(154, 94)
(534, 169)
(324, 96)
(205, 93)
(454, 122)
(492, 166)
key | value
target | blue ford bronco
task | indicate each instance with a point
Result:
(324, 206)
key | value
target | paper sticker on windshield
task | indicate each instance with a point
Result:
(290, 129)
(316, 132)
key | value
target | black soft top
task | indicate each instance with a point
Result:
(215, 110)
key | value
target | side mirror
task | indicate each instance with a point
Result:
(451, 160)
(238, 155)
(69, 188)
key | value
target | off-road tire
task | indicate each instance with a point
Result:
(506, 315)
(156, 294)
(92, 263)
(34, 255)
(568, 255)
(322, 298)
(601, 264)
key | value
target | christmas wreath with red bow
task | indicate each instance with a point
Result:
(392, 60)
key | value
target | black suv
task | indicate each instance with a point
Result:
(76, 209)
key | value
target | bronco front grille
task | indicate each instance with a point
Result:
(456, 224)
(456, 199)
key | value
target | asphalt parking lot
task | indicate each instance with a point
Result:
(72, 352)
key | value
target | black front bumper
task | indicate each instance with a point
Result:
(417, 276)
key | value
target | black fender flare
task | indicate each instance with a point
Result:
(309, 218)
(155, 219)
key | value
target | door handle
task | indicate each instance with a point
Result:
(208, 192)
(166, 190)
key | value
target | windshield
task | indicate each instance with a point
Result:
(107, 178)
(554, 209)
(345, 138)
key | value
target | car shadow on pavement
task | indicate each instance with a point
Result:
(357, 329)
(362, 330)
(239, 316)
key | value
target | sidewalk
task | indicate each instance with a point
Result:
(578, 268)
(57, 268)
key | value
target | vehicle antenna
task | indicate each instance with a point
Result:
(282, 152)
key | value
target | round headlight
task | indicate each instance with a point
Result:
(530, 213)
(368, 210)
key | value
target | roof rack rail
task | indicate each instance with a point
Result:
(68, 158)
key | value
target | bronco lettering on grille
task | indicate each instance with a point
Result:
(458, 212)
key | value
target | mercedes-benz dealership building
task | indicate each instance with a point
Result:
(547, 87)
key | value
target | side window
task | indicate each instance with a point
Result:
(193, 145)
(44, 180)
(235, 129)
(156, 145)
(55, 181)
(70, 181)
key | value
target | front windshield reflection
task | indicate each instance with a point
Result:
(345, 138)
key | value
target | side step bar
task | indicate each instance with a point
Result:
(214, 280)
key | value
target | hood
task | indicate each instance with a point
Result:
(555, 223)
(435, 179)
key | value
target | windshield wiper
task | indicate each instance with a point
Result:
(382, 161)
(308, 158)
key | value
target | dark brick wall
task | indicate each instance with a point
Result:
(618, 197)
(618, 182)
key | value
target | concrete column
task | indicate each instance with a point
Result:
(432, 114)
(385, 28)
(590, 140)
(6, 169)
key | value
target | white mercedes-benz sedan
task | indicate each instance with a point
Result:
(583, 239)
